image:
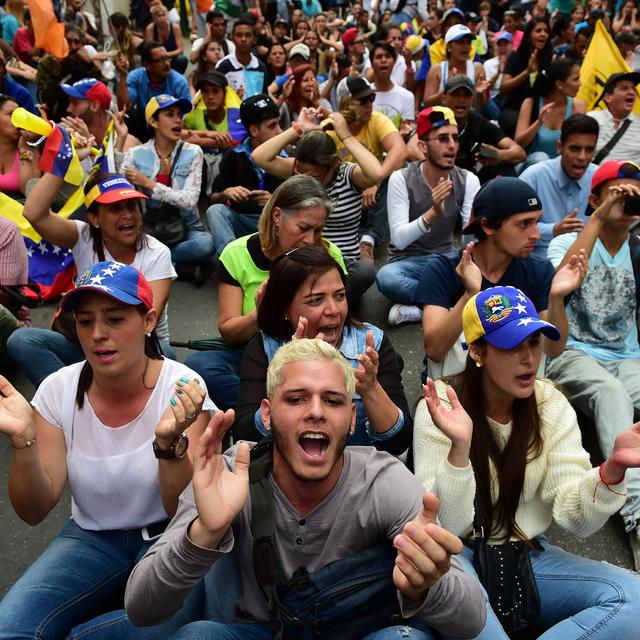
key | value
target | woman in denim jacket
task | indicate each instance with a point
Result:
(148, 166)
(305, 298)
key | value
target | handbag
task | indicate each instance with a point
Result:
(506, 574)
(165, 223)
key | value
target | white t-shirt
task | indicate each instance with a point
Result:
(398, 104)
(153, 260)
(491, 67)
(398, 72)
(113, 472)
(627, 147)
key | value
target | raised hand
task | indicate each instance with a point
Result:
(624, 455)
(571, 276)
(469, 272)
(544, 111)
(455, 423)
(440, 193)
(183, 410)
(308, 119)
(612, 206)
(568, 224)
(220, 494)
(138, 179)
(16, 415)
(424, 552)
(367, 371)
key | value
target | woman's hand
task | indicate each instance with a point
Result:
(184, 408)
(532, 66)
(138, 179)
(309, 119)
(367, 371)
(287, 87)
(340, 125)
(544, 111)
(16, 416)
(625, 454)
(455, 423)
(259, 295)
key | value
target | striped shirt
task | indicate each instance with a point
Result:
(343, 225)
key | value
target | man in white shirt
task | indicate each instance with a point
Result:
(619, 95)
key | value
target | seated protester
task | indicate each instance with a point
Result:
(494, 71)
(416, 48)
(169, 35)
(458, 41)
(626, 18)
(276, 62)
(438, 49)
(301, 91)
(340, 69)
(513, 443)
(216, 32)
(504, 220)
(170, 170)
(118, 426)
(400, 73)
(75, 14)
(241, 189)
(208, 57)
(318, 58)
(481, 143)
(245, 73)
(316, 155)
(378, 134)
(280, 31)
(564, 183)
(12, 88)
(524, 71)
(294, 216)
(208, 125)
(114, 231)
(512, 21)
(320, 497)
(123, 39)
(618, 140)
(541, 117)
(600, 366)
(154, 78)
(425, 201)
(355, 48)
(305, 296)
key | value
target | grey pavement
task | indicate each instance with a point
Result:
(192, 314)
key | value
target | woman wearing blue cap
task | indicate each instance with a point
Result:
(115, 428)
(170, 170)
(513, 443)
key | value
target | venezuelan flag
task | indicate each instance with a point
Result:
(232, 104)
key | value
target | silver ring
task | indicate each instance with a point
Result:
(190, 417)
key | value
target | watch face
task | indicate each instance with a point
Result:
(181, 446)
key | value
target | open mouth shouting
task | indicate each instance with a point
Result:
(314, 445)
(104, 355)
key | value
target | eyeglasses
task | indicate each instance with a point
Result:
(366, 100)
(443, 138)
(162, 59)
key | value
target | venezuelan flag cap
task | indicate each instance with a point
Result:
(504, 317)
(163, 101)
(112, 189)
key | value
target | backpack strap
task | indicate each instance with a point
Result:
(606, 150)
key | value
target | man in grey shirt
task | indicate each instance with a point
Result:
(330, 505)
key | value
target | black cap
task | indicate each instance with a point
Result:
(359, 87)
(614, 78)
(500, 198)
(284, 23)
(212, 77)
(459, 82)
(472, 16)
(596, 14)
(257, 109)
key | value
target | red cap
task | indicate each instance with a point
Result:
(614, 169)
(349, 36)
(89, 89)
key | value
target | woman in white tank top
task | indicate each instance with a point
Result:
(115, 426)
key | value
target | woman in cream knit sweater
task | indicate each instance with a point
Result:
(518, 437)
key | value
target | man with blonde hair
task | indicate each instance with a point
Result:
(319, 515)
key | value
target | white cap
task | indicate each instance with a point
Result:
(456, 32)
(300, 49)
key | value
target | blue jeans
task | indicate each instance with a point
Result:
(220, 370)
(398, 280)
(80, 575)
(377, 220)
(226, 225)
(579, 598)
(41, 352)
(198, 247)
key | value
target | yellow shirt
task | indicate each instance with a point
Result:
(371, 136)
(438, 51)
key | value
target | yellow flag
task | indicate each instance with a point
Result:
(603, 58)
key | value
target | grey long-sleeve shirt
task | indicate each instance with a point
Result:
(374, 498)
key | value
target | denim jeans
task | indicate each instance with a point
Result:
(609, 392)
(376, 220)
(41, 352)
(398, 280)
(226, 225)
(198, 246)
(220, 370)
(580, 598)
(80, 575)
(361, 275)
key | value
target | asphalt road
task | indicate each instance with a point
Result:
(192, 314)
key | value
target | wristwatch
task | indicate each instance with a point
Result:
(176, 451)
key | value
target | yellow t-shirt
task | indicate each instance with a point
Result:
(438, 51)
(371, 136)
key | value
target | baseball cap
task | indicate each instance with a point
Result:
(502, 35)
(212, 77)
(614, 78)
(457, 32)
(414, 43)
(282, 22)
(614, 169)
(89, 89)
(500, 198)
(163, 101)
(504, 317)
(257, 109)
(472, 16)
(358, 87)
(349, 36)
(300, 49)
(434, 118)
(121, 282)
(459, 82)
(113, 188)
(454, 11)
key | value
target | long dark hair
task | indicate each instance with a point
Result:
(559, 70)
(523, 446)
(525, 48)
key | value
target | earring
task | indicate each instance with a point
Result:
(97, 226)
(286, 317)
(276, 230)
(478, 362)
(148, 334)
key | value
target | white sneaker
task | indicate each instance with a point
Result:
(401, 313)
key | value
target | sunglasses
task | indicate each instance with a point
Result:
(366, 100)
(443, 138)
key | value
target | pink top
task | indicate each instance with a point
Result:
(10, 182)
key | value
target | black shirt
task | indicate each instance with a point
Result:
(478, 130)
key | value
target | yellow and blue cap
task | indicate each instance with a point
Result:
(164, 101)
(504, 317)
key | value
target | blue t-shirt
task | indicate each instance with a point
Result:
(141, 90)
(602, 313)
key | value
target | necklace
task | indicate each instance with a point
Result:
(164, 159)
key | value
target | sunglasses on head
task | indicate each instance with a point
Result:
(366, 99)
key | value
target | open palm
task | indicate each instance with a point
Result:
(16, 415)
(455, 423)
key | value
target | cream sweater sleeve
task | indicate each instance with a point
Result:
(455, 487)
(570, 487)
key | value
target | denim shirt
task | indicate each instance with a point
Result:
(186, 177)
(353, 344)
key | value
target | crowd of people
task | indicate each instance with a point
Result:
(294, 155)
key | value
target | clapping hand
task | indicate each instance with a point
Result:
(183, 410)
(570, 276)
(367, 371)
(469, 272)
(16, 415)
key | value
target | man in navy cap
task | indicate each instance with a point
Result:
(504, 219)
